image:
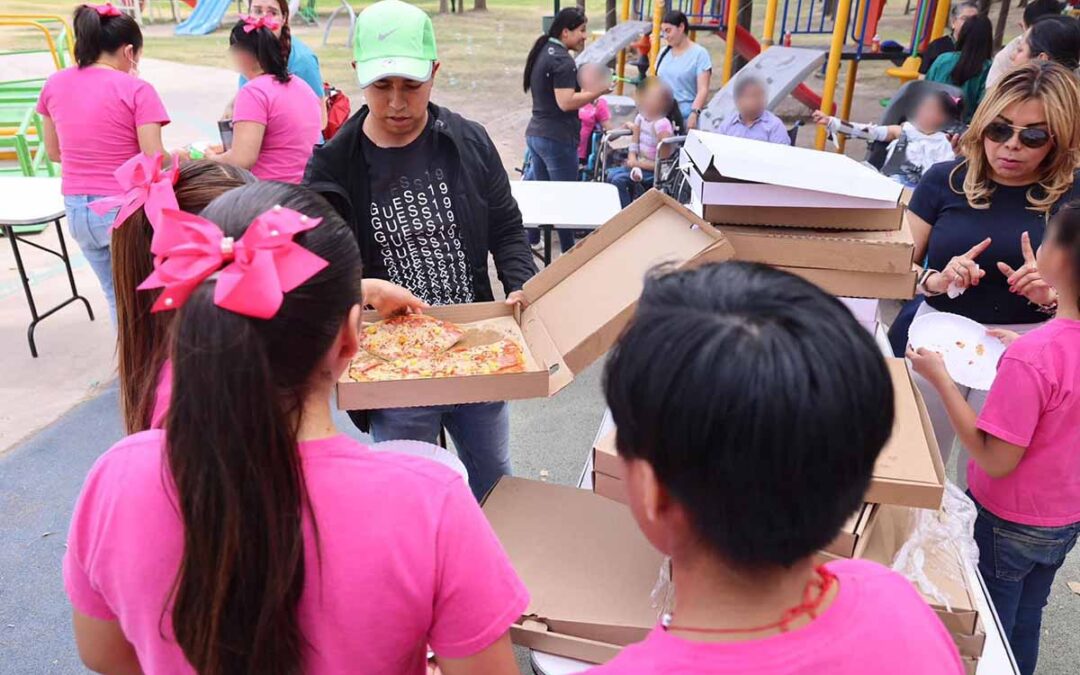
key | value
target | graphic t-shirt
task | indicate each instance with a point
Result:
(416, 222)
(554, 69)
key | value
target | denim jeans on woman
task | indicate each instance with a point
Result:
(552, 160)
(480, 431)
(91, 232)
(1018, 563)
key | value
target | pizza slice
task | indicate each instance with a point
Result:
(409, 335)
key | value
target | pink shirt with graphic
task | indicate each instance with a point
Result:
(407, 559)
(591, 115)
(1035, 403)
(97, 113)
(877, 623)
(291, 113)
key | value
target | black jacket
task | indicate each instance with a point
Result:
(492, 221)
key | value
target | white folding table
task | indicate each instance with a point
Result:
(564, 205)
(35, 201)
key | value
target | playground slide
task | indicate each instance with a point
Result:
(605, 48)
(205, 18)
(748, 47)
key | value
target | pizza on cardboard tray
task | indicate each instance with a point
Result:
(416, 346)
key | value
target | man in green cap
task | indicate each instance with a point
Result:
(427, 197)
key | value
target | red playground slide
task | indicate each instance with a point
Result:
(748, 47)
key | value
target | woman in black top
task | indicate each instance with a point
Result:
(554, 130)
(980, 219)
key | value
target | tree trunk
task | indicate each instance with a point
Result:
(479, 5)
(1002, 21)
(746, 15)
(444, 6)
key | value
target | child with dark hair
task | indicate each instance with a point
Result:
(1051, 38)
(1033, 11)
(1024, 471)
(923, 139)
(279, 545)
(277, 119)
(96, 115)
(969, 65)
(747, 444)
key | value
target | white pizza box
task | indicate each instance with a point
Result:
(745, 182)
(577, 308)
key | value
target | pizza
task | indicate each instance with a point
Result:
(418, 347)
(409, 335)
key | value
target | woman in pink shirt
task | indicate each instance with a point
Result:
(746, 448)
(1024, 471)
(251, 536)
(96, 115)
(277, 119)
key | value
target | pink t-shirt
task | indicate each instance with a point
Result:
(1035, 403)
(591, 115)
(407, 559)
(97, 113)
(162, 394)
(290, 112)
(877, 623)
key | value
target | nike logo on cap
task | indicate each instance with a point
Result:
(383, 36)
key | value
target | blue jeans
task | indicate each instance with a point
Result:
(1018, 563)
(481, 433)
(552, 160)
(91, 232)
(628, 189)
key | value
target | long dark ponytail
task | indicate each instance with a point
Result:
(976, 45)
(265, 47)
(96, 34)
(568, 18)
(238, 392)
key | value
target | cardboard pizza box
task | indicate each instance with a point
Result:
(606, 458)
(853, 535)
(909, 471)
(846, 283)
(887, 252)
(578, 306)
(588, 568)
(743, 182)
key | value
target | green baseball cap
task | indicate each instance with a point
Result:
(393, 39)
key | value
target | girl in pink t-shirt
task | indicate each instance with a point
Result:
(1024, 472)
(277, 119)
(96, 115)
(746, 447)
(592, 77)
(251, 536)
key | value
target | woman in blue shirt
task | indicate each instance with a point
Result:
(302, 61)
(685, 66)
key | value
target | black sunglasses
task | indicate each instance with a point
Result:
(1031, 137)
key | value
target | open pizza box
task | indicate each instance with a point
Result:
(853, 536)
(885, 252)
(954, 603)
(744, 182)
(577, 308)
(849, 284)
(588, 568)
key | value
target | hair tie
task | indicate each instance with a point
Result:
(144, 185)
(252, 23)
(254, 272)
(106, 10)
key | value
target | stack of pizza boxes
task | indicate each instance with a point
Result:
(908, 479)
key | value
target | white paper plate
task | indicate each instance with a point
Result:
(971, 356)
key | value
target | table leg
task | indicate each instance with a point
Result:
(70, 273)
(9, 232)
(547, 230)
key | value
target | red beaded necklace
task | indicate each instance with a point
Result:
(814, 595)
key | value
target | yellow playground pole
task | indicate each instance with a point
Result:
(620, 67)
(654, 48)
(729, 41)
(941, 16)
(832, 66)
(770, 24)
(849, 94)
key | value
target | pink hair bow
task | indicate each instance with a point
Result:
(144, 185)
(256, 22)
(259, 268)
(106, 10)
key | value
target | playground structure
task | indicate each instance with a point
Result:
(851, 27)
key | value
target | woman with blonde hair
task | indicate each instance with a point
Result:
(978, 220)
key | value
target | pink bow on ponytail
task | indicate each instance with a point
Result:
(256, 22)
(144, 185)
(105, 10)
(259, 268)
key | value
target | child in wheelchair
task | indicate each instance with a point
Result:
(916, 144)
(595, 117)
(650, 126)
